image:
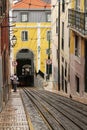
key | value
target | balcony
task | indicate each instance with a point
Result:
(77, 21)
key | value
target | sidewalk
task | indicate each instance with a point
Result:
(13, 116)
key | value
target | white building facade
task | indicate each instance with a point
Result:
(60, 45)
(54, 12)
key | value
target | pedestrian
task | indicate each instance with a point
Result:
(15, 82)
(11, 78)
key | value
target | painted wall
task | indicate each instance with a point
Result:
(77, 68)
(33, 15)
(63, 53)
(54, 45)
(77, 63)
(37, 27)
(37, 37)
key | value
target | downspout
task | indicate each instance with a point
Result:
(59, 45)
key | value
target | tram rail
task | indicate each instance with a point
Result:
(59, 113)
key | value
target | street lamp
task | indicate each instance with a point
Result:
(13, 41)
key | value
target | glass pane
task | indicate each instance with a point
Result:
(78, 4)
(85, 22)
(24, 36)
(24, 18)
(48, 17)
(85, 5)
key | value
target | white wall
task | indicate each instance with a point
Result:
(54, 11)
(63, 53)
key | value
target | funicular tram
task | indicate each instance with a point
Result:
(25, 68)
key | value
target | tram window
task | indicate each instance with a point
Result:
(25, 71)
(22, 71)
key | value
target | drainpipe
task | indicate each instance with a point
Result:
(49, 57)
(59, 45)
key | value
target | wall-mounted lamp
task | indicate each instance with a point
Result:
(13, 41)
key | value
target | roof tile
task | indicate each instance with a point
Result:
(31, 4)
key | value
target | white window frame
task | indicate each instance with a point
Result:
(24, 17)
(48, 17)
(24, 35)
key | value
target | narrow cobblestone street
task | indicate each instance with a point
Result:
(13, 116)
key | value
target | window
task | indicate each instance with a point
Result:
(57, 54)
(65, 69)
(68, 74)
(65, 86)
(63, 5)
(48, 17)
(62, 36)
(62, 77)
(56, 25)
(77, 46)
(24, 36)
(24, 17)
(77, 84)
(86, 5)
(77, 4)
(62, 59)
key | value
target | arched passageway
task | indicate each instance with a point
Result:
(25, 67)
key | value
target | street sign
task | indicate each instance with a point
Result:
(48, 51)
(14, 63)
(48, 35)
(49, 61)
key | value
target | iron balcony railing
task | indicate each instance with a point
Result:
(78, 21)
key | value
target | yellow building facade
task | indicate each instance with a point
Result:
(32, 22)
(37, 42)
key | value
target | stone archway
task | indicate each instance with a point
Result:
(25, 67)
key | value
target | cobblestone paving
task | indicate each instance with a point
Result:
(13, 116)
